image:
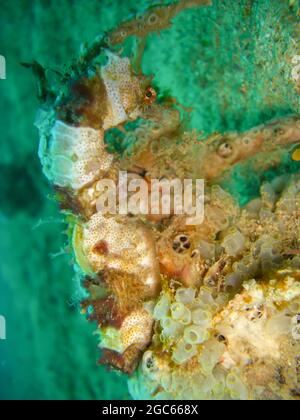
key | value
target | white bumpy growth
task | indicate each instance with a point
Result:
(76, 156)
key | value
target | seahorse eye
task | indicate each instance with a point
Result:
(150, 95)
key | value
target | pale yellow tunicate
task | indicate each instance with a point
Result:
(201, 317)
(183, 352)
(171, 328)
(194, 334)
(186, 317)
(185, 295)
(162, 307)
(177, 310)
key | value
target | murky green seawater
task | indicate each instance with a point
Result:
(231, 64)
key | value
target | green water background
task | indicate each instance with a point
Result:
(231, 63)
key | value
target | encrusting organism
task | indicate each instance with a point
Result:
(205, 311)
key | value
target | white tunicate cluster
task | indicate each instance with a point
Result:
(185, 321)
(260, 323)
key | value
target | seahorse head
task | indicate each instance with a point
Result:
(127, 92)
